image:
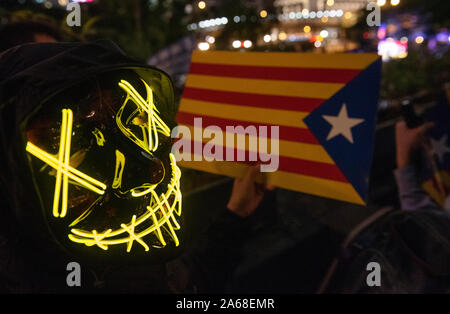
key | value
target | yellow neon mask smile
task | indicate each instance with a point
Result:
(157, 204)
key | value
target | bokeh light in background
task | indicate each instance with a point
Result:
(391, 48)
(319, 26)
(203, 46)
(237, 44)
(282, 36)
(419, 40)
(263, 14)
(201, 5)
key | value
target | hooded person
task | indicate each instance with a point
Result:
(87, 176)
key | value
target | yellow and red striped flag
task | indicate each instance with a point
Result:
(324, 105)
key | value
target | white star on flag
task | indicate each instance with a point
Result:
(440, 147)
(342, 124)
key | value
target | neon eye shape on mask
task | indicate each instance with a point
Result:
(64, 170)
(149, 112)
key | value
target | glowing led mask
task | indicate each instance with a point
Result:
(91, 165)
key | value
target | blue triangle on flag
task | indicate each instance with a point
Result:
(360, 97)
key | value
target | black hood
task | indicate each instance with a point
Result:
(30, 74)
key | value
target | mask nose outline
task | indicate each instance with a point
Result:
(155, 166)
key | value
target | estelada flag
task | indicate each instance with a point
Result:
(324, 104)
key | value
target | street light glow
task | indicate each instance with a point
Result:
(201, 5)
(248, 44)
(237, 44)
(203, 46)
(324, 33)
(282, 36)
